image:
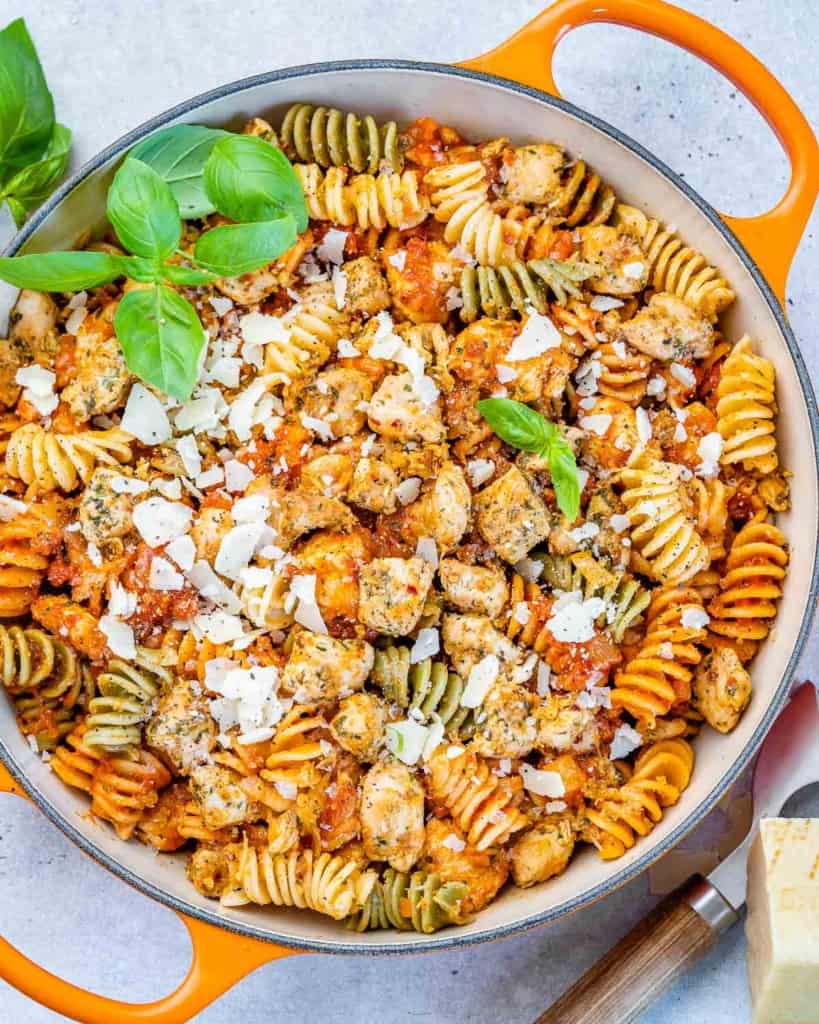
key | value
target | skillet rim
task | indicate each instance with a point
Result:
(448, 940)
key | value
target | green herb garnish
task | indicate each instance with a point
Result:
(523, 428)
(34, 148)
(190, 168)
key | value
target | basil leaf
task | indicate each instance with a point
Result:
(143, 211)
(162, 338)
(26, 105)
(34, 184)
(178, 155)
(517, 424)
(563, 468)
(236, 249)
(250, 180)
(140, 269)
(61, 271)
(177, 274)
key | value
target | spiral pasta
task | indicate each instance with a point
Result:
(675, 267)
(458, 193)
(484, 805)
(126, 695)
(296, 746)
(660, 675)
(751, 583)
(746, 406)
(313, 325)
(615, 821)
(332, 138)
(264, 602)
(662, 532)
(624, 372)
(25, 543)
(500, 291)
(418, 902)
(63, 461)
(584, 198)
(35, 660)
(329, 884)
(388, 199)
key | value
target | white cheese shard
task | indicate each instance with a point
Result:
(544, 679)
(320, 427)
(427, 645)
(220, 304)
(709, 450)
(122, 603)
(255, 508)
(237, 476)
(398, 259)
(542, 782)
(302, 597)
(339, 288)
(635, 270)
(619, 522)
(211, 587)
(453, 842)
(145, 417)
(597, 424)
(236, 549)
(261, 329)
(695, 618)
(163, 576)
(656, 386)
(38, 388)
(538, 335)
(481, 679)
(406, 740)
(210, 477)
(218, 626)
(408, 490)
(119, 636)
(584, 532)
(189, 454)
(253, 693)
(346, 349)
(603, 303)
(157, 521)
(332, 245)
(643, 425)
(128, 485)
(684, 375)
(427, 549)
(479, 471)
(529, 568)
(10, 508)
(783, 921)
(572, 619)
(506, 374)
(625, 740)
(182, 551)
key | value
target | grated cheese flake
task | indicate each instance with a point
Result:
(145, 417)
(538, 335)
(625, 740)
(157, 521)
(481, 679)
(542, 782)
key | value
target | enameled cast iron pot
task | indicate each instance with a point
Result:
(509, 91)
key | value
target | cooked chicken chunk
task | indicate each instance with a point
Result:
(392, 815)
(102, 378)
(208, 530)
(335, 560)
(249, 289)
(442, 511)
(562, 726)
(669, 329)
(209, 870)
(392, 594)
(329, 474)
(620, 257)
(447, 853)
(533, 172)
(358, 725)
(338, 397)
(473, 588)
(421, 274)
(373, 486)
(302, 511)
(506, 725)
(181, 730)
(397, 412)
(12, 359)
(367, 290)
(722, 689)
(510, 516)
(218, 796)
(32, 326)
(321, 668)
(469, 638)
(103, 513)
(70, 620)
(544, 851)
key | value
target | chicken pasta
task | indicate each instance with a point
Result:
(465, 532)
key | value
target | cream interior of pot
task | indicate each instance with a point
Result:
(481, 109)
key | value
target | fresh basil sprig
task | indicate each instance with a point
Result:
(523, 428)
(158, 329)
(34, 148)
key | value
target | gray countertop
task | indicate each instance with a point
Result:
(112, 64)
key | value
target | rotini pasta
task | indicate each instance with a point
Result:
(332, 636)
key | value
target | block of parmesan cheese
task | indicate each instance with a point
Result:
(783, 921)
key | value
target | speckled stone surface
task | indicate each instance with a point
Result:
(113, 63)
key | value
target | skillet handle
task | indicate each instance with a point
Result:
(772, 237)
(644, 963)
(220, 959)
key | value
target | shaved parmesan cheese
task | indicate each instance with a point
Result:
(529, 568)
(261, 329)
(584, 532)
(211, 477)
(398, 259)
(218, 626)
(481, 678)
(454, 299)
(555, 806)
(225, 370)
(220, 304)
(158, 521)
(625, 740)
(256, 705)
(94, 555)
(122, 604)
(426, 645)
(619, 523)
(339, 288)
(427, 549)
(332, 245)
(598, 424)
(243, 409)
(145, 417)
(252, 509)
(666, 650)
(656, 386)
(541, 782)
(182, 551)
(286, 790)
(36, 379)
(75, 320)
(521, 613)
(303, 594)
(643, 425)
(634, 270)
(683, 374)
(406, 740)
(163, 576)
(505, 373)
(544, 678)
(237, 476)
(603, 303)
(10, 508)
(171, 489)
(480, 470)
(572, 620)
(324, 430)
(205, 580)
(202, 413)
(709, 450)
(695, 618)
(189, 454)
(120, 637)
(453, 842)
(128, 485)
(539, 334)
(408, 490)
(346, 349)
(236, 549)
